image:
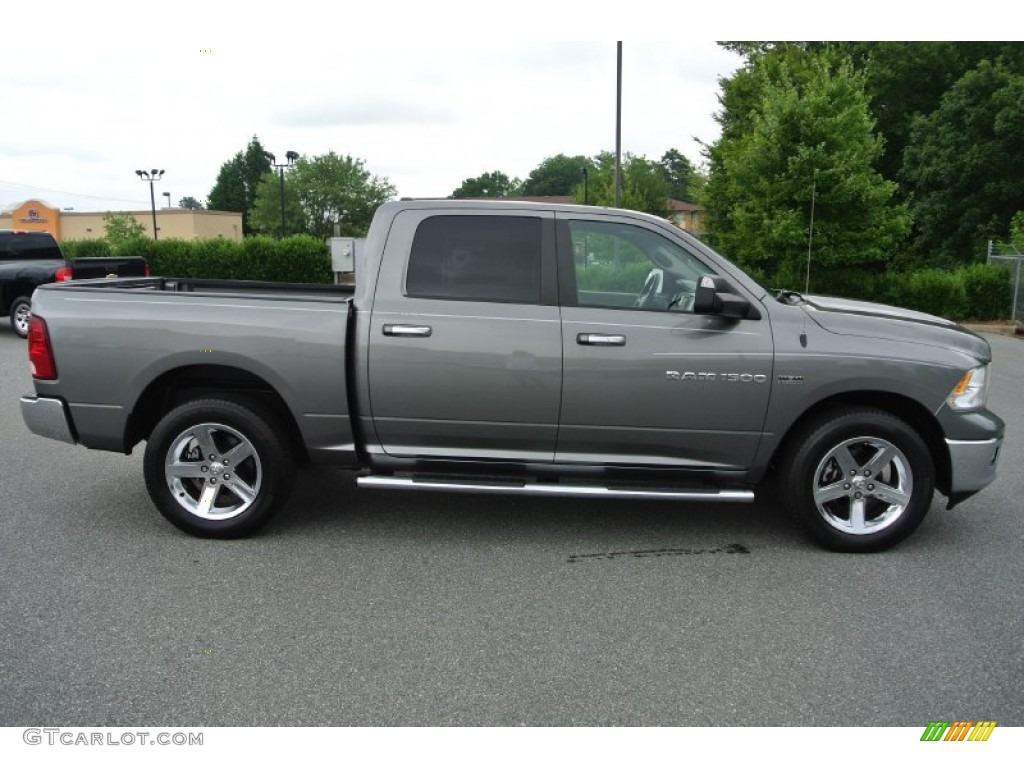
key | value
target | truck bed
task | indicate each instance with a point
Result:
(142, 340)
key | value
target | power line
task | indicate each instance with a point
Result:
(65, 192)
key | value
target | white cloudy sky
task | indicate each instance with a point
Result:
(426, 94)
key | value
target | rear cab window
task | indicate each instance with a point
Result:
(16, 246)
(476, 258)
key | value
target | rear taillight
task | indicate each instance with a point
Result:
(145, 270)
(63, 274)
(39, 352)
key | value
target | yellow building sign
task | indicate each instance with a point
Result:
(36, 216)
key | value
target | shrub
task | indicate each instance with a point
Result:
(849, 282)
(139, 245)
(81, 249)
(295, 259)
(989, 290)
(935, 291)
(170, 257)
(301, 259)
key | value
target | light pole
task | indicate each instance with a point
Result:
(586, 191)
(168, 196)
(151, 176)
(291, 157)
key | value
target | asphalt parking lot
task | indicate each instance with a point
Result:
(382, 608)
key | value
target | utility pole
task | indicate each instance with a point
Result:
(618, 124)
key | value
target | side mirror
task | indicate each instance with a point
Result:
(714, 296)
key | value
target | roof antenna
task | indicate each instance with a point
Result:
(810, 233)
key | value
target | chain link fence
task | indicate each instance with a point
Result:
(1006, 254)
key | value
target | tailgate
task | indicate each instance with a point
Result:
(128, 266)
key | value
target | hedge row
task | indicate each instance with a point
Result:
(974, 292)
(295, 259)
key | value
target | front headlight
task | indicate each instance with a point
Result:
(971, 392)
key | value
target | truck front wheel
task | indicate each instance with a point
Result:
(218, 468)
(857, 479)
(21, 313)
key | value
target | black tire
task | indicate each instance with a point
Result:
(218, 468)
(21, 313)
(857, 479)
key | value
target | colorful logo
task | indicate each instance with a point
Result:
(32, 217)
(959, 730)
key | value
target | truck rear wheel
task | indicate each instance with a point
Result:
(21, 313)
(218, 468)
(857, 479)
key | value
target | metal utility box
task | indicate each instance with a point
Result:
(343, 254)
(346, 258)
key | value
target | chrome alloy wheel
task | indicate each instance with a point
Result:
(863, 485)
(21, 318)
(213, 471)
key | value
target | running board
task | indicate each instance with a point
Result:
(550, 489)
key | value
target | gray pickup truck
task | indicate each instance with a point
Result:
(519, 348)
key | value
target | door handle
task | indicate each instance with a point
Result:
(600, 340)
(407, 330)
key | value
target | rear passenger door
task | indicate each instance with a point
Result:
(465, 354)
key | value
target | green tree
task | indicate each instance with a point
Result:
(493, 184)
(190, 203)
(558, 175)
(742, 92)
(266, 211)
(228, 193)
(741, 97)
(644, 187)
(804, 132)
(965, 164)
(329, 189)
(120, 228)
(1017, 230)
(680, 175)
(905, 80)
(237, 181)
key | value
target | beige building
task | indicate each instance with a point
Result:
(687, 216)
(177, 223)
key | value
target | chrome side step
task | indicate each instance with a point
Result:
(550, 489)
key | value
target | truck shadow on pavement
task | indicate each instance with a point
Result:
(328, 502)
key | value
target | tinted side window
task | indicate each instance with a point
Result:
(476, 258)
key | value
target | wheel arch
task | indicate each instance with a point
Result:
(191, 382)
(900, 406)
(12, 291)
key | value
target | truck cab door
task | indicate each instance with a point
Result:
(647, 382)
(465, 346)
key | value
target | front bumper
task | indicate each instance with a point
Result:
(48, 417)
(972, 466)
